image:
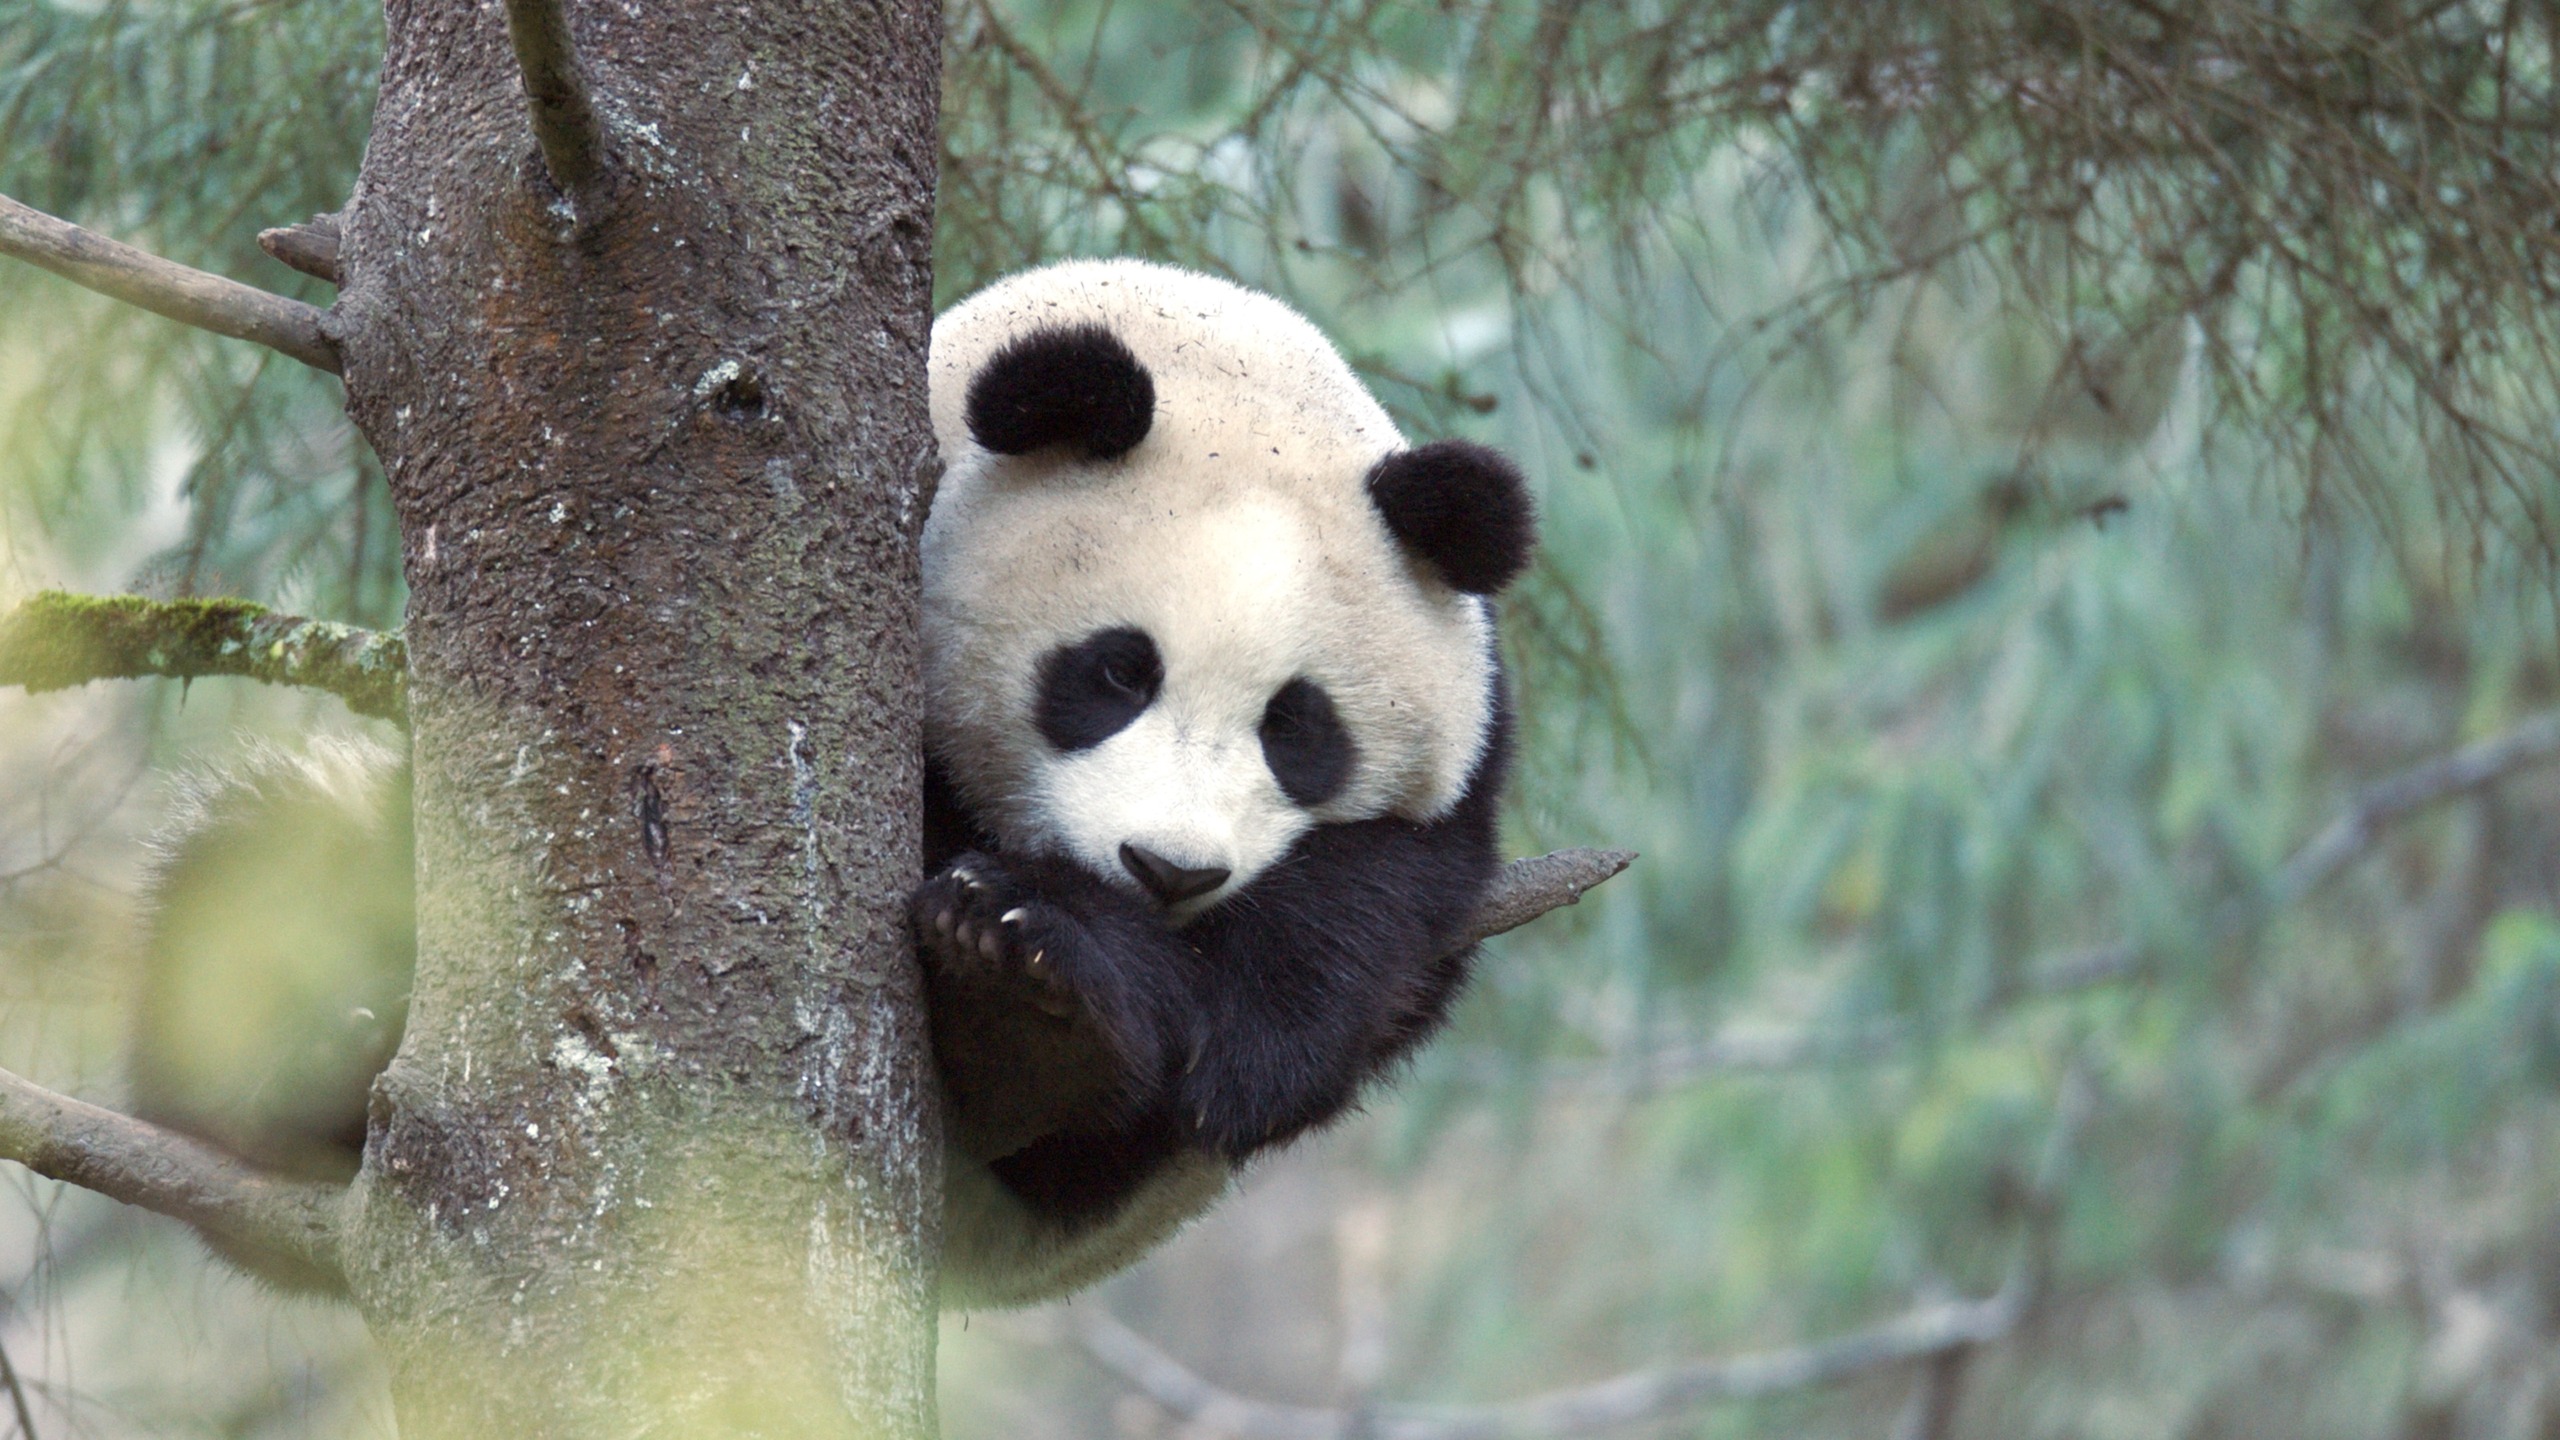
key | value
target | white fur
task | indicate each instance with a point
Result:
(1240, 536)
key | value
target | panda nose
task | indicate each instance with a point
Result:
(1169, 882)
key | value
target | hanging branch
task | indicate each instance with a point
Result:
(564, 124)
(158, 1170)
(55, 641)
(164, 287)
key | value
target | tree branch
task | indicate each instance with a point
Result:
(310, 247)
(1921, 1333)
(564, 124)
(2381, 804)
(164, 287)
(1945, 1334)
(125, 1159)
(1527, 889)
(2346, 839)
(55, 641)
(2356, 830)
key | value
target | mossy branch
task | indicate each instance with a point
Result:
(55, 641)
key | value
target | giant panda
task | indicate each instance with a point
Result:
(1215, 730)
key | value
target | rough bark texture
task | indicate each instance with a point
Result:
(659, 1154)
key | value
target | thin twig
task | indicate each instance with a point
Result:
(159, 1170)
(17, 1395)
(164, 287)
(55, 641)
(564, 123)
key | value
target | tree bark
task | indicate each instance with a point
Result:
(660, 1152)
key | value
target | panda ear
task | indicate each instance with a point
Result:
(1462, 507)
(1075, 385)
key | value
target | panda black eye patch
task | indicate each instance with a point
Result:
(1304, 743)
(1092, 689)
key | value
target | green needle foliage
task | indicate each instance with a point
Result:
(2012, 475)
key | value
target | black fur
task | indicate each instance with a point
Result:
(1085, 1041)
(1073, 385)
(1303, 742)
(1092, 689)
(1463, 508)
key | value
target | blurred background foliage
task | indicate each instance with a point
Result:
(2015, 476)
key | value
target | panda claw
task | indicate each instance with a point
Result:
(1014, 915)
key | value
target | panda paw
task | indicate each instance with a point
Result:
(975, 922)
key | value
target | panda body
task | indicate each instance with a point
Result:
(1215, 728)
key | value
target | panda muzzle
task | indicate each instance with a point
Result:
(1171, 884)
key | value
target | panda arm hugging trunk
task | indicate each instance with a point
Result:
(1216, 732)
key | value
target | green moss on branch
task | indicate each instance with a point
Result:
(55, 641)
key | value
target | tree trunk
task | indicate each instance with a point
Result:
(660, 1152)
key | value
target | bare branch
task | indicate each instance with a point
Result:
(55, 641)
(1527, 889)
(164, 287)
(564, 124)
(310, 247)
(2375, 809)
(1921, 1333)
(1944, 1334)
(2381, 804)
(159, 1170)
(17, 1396)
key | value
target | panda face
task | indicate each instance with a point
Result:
(1186, 593)
(1187, 732)
(1178, 778)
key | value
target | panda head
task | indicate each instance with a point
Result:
(1187, 594)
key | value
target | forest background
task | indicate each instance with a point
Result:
(2049, 520)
